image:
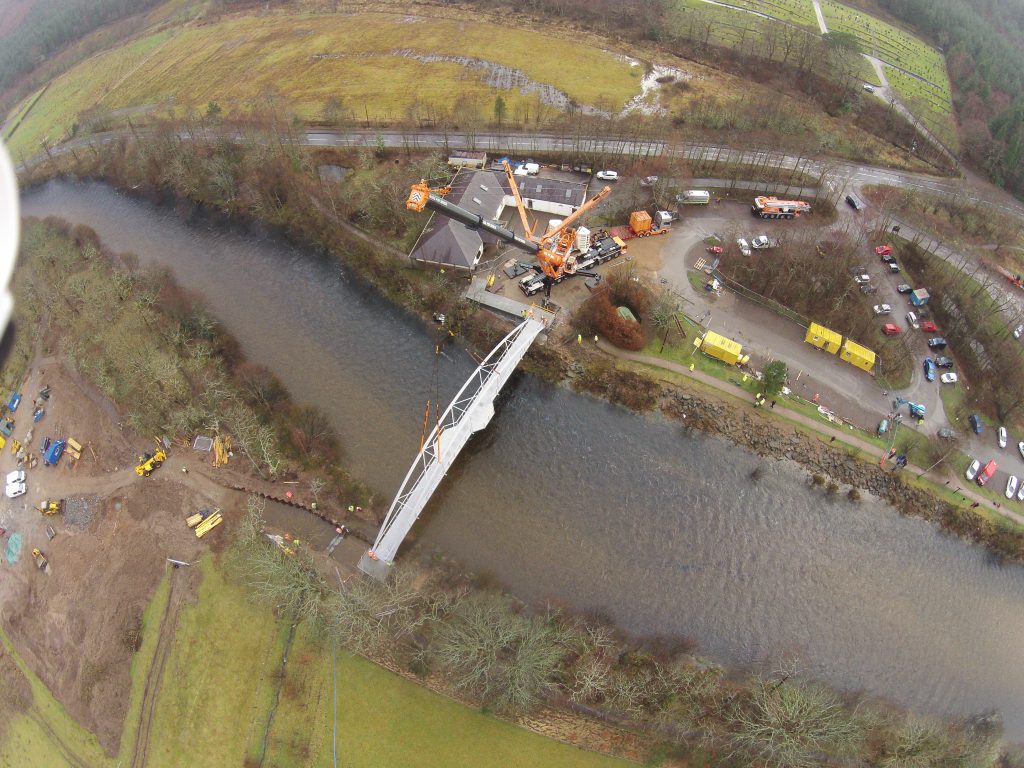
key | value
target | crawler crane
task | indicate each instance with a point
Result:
(553, 249)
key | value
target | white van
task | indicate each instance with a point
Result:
(694, 197)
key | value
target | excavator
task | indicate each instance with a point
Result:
(150, 461)
(553, 248)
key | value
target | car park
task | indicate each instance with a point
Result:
(912, 320)
(937, 343)
(1002, 437)
(883, 250)
(904, 288)
(744, 246)
(986, 473)
(1011, 486)
(607, 175)
(862, 279)
(976, 423)
(891, 329)
(881, 309)
(948, 378)
(972, 469)
(944, 362)
(929, 327)
(929, 369)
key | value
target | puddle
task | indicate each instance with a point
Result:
(335, 173)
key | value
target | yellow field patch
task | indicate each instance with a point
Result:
(372, 62)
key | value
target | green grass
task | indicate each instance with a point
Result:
(800, 12)
(216, 687)
(247, 62)
(28, 743)
(929, 103)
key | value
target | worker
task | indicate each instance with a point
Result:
(595, 338)
(184, 470)
(579, 338)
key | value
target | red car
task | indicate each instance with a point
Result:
(883, 250)
(891, 329)
(986, 473)
(928, 326)
(715, 249)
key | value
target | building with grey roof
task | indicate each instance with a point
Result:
(448, 243)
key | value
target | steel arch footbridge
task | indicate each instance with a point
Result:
(470, 411)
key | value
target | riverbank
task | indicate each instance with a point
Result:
(309, 211)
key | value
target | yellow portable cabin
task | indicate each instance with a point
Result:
(855, 354)
(823, 338)
(726, 350)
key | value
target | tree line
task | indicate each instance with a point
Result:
(48, 25)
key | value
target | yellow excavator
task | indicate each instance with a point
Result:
(49, 507)
(150, 461)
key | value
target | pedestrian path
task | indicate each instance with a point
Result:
(800, 418)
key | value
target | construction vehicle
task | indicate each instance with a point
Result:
(774, 208)
(48, 507)
(642, 224)
(150, 461)
(54, 450)
(40, 558)
(1015, 279)
(554, 248)
(603, 249)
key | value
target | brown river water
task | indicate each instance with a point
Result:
(570, 499)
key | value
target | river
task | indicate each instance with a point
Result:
(570, 499)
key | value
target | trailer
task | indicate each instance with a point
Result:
(855, 354)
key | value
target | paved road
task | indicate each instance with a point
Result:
(844, 436)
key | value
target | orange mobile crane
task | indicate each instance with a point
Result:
(553, 249)
(774, 208)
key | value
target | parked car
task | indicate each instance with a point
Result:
(894, 267)
(948, 378)
(647, 181)
(1020, 447)
(1020, 493)
(904, 288)
(929, 327)
(1002, 437)
(744, 246)
(1018, 331)
(17, 476)
(944, 362)
(986, 473)
(1011, 486)
(929, 369)
(891, 329)
(937, 343)
(607, 175)
(762, 241)
(948, 434)
(972, 470)
(976, 423)
(868, 88)
(883, 250)
(889, 258)
(861, 279)
(14, 490)
(881, 309)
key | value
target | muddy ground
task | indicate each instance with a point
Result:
(77, 624)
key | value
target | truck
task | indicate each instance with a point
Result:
(767, 207)
(603, 250)
(53, 453)
(694, 197)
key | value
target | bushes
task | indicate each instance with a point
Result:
(600, 313)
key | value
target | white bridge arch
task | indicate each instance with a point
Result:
(470, 411)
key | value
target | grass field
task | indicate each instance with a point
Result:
(217, 691)
(363, 61)
(929, 103)
(800, 12)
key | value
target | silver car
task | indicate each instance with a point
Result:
(972, 470)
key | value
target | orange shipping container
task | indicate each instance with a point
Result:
(640, 222)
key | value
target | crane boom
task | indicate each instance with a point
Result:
(422, 197)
